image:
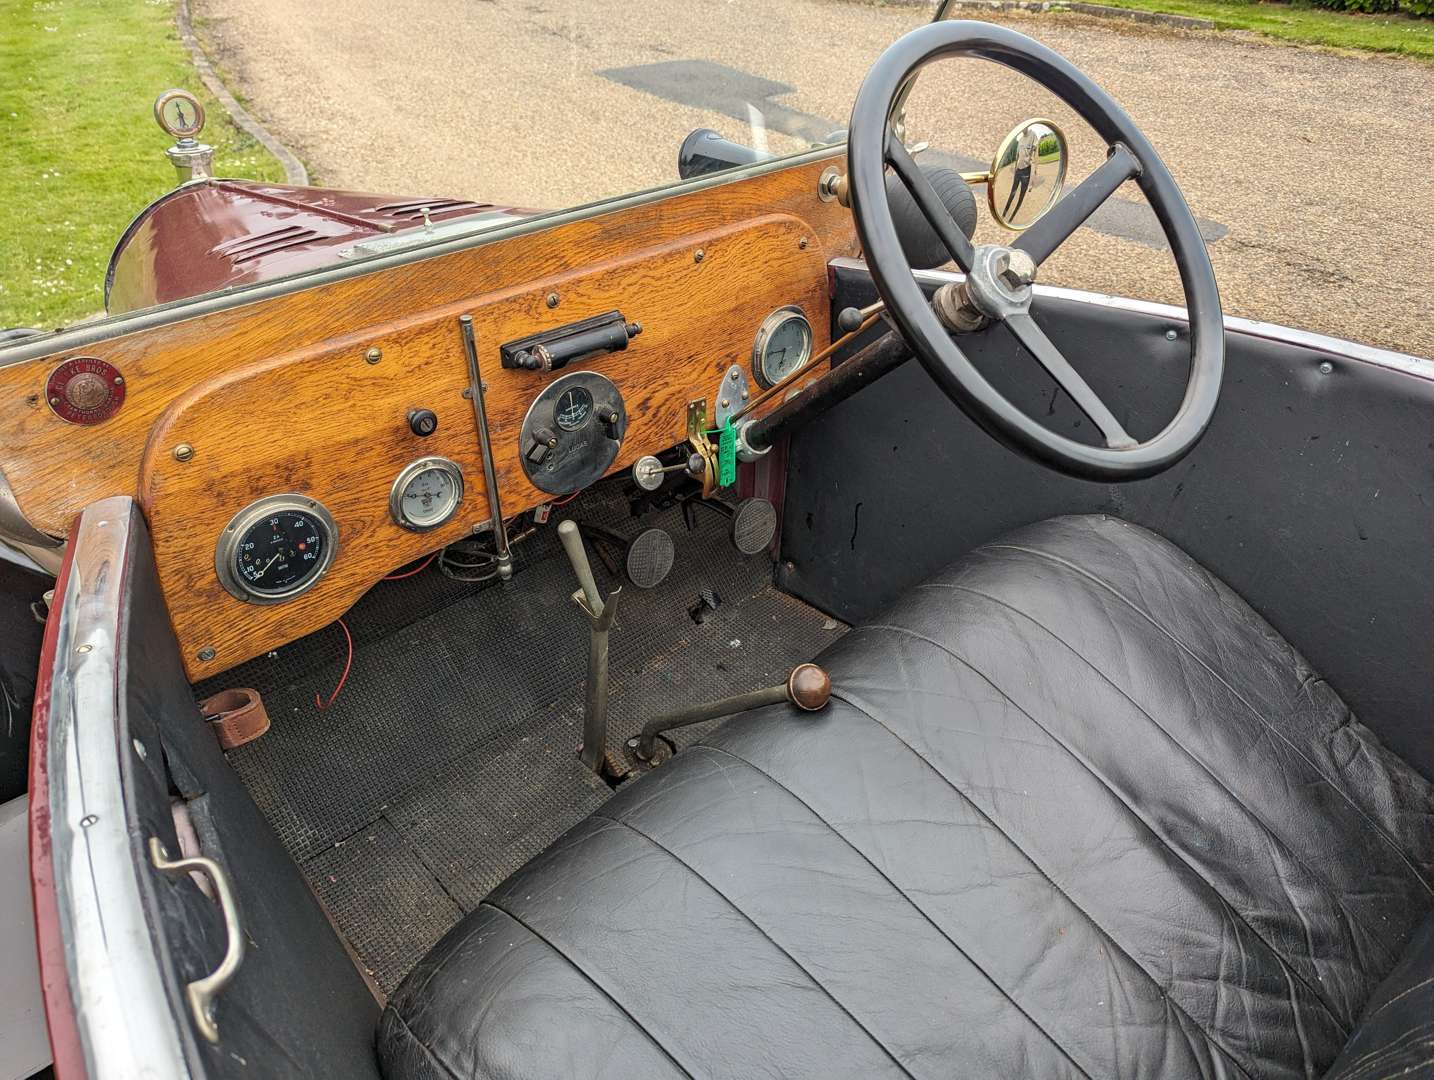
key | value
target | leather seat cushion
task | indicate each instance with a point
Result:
(1074, 810)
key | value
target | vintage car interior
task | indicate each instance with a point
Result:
(498, 643)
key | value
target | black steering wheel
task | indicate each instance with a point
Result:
(998, 279)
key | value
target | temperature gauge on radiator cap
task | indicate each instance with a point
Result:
(426, 494)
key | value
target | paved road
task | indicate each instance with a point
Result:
(1304, 166)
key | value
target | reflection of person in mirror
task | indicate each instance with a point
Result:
(1026, 144)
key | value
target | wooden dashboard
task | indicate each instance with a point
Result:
(280, 395)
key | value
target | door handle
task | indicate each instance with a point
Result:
(201, 993)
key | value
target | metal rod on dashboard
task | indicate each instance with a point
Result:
(868, 317)
(490, 474)
(883, 355)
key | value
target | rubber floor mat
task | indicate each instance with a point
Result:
(449, 758)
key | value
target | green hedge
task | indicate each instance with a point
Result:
(1374, 7)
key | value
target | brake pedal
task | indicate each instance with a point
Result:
(754, 526)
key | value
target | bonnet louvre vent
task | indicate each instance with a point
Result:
(248, 248)
(412, 210)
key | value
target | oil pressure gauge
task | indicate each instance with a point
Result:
(783, 345)
(426, 493)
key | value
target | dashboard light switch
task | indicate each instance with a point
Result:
(422, 422)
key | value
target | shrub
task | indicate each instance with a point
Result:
(1367, 6)
(1371, 7)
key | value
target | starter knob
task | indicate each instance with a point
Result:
(422, 422)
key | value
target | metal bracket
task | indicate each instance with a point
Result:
(698, 440)
(732, 393)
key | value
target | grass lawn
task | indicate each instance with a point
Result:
(1309, 25)
(80, 153)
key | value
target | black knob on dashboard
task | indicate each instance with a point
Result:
(543, 441)
(422, 422)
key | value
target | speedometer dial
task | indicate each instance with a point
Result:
(275, 548)
(783, 345)
(426, 493)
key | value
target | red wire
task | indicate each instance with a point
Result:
(410, 573)
(320, 704)
(570, 498)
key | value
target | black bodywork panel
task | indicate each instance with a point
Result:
(297, 1005)
(21, 634)
(1310, 494)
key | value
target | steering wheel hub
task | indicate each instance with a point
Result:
(998, 285)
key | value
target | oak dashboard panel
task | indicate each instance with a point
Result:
(313, 394)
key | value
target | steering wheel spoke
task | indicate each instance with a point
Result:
(932, 208)
(1071, 212)
(1035, 342)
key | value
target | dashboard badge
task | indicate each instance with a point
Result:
(85, 390)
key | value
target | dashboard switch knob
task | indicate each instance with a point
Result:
(422, 422)
(543, 441)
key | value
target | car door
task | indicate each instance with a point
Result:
(177, 938)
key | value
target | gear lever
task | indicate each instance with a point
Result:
(808, 687)
(600, 615)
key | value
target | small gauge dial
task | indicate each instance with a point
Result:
(275, 549)
(179, 114)
(574, 408)
(783, 345)
(426, 493)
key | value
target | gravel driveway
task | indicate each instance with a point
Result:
(1303, 165)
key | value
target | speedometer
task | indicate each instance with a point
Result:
(426, 493)
(783, 345)
(275, 548)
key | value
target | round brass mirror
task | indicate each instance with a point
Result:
(1027, 174)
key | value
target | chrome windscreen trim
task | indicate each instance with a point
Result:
(126, 1023)
(88, 334)
(1336, 347)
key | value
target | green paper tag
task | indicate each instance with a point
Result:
(727, 455)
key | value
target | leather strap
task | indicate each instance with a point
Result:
(236, 716)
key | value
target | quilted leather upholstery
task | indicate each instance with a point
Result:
(1075, 810)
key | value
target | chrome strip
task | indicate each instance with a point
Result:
(14, 525)
(126, 1023)
(1338, 347)
(91, 333)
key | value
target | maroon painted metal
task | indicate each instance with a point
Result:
(60, 1017)
(85, 390)
(219, 234)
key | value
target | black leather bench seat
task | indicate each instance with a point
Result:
(1074, 810)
